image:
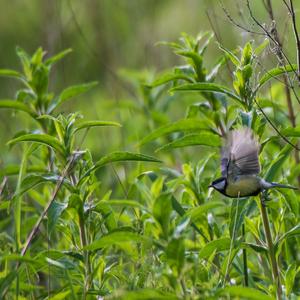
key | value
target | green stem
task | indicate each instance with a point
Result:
(271, 249)
(226, 276)
(246, 281)
(86, 255)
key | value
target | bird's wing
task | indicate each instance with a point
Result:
(240, 154)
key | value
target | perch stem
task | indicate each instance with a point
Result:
(271, 249)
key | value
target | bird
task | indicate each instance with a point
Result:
(240, 167)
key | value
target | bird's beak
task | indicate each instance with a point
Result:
(210, 186)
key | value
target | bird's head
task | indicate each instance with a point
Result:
(219, 184)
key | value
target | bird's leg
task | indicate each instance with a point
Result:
(265, 197)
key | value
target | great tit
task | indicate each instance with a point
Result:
(240, 167)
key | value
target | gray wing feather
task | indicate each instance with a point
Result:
(240, 154)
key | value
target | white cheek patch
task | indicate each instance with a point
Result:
(220, 185)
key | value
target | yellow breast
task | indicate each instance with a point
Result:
(243, 186)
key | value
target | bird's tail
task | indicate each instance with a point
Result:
(284, 186)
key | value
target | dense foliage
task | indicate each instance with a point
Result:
(157, 231)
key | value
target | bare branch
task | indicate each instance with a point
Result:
(235, 23)
(274, 127)
(292, 12)
(280, 53)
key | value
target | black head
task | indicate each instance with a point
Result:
(219, 184)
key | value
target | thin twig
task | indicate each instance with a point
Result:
(271, 249)
(269, 35)
(245, 264)
(219, 39)
(235, 23)
(286, 77)
(45, 211)
(274, 127)
(292, 13)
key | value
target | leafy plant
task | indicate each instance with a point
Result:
(157, 232)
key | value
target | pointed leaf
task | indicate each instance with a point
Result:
(119, 156)
(234, 59)
(115, 238)
(244, 293)
(276, 72)
(54, 213)
(13, 104)
(50, 61)
(74, 91)
(44, 139)
(169, 77)
(123, 203)
(89, 124)
(205, 139)
(277, 163)
(124, 156)
(181, 211)
(291, 131)
(33, 180)
(11, 73)
(295, 231)
(181, 125)
(216, 245)
(208, 87)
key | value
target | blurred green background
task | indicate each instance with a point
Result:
(112, 35)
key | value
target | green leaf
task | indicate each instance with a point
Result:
(181, 125)
(25, 60)
(291, 131)
(247, 54)
(115, 238)
(11, 73)
(33, 180)
(89, 124)
(244, 293)
(295, 231)
(276, 72)
(234, 59)
(290, 276)
(74, 91)
(120, 156)
(54, 213)
(257, 248)
(14, 170)
(123, 203)
(239, 207)
(175, 252)
(6, 282)
(55, 263)
(162, 209)
(197, 212)
(61, 295)
(44, 139)
(214, 246)
(208, 87)
(108, 215)
(277, 163)
(204, 139)
(17, 106)
(52, 60)
(169, 77)
(142, 294)
(181, 211)
(261, 47)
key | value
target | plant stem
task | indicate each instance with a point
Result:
(83, 239)
(245, 264)
(271, 249)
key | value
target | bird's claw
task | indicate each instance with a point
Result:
(265, 197)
